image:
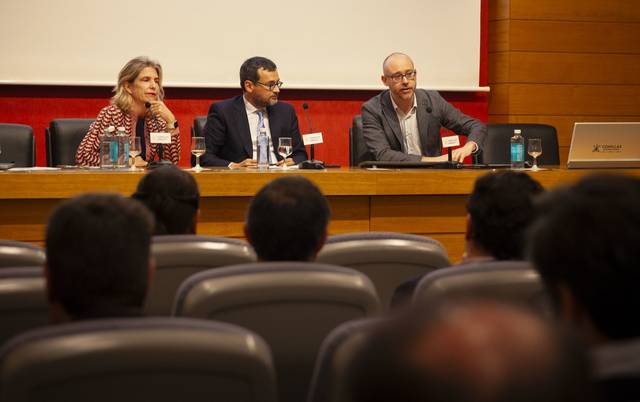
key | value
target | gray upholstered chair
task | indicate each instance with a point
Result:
(18, 145)
(23, 301)
(137, 359)
(179, 256)
(387, 258)
(509, 281)
(333, 365)
(292, 305)
(358, 151)
(20, 254)
(497, 145)
(63, 138)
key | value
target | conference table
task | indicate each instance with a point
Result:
(427, 202)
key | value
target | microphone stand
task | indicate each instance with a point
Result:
(310, 164)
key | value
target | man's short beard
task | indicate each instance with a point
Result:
(272, 102)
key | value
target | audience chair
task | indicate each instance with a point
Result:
(137, 359)
(23, 301)
(497, 147)
(17, 145)
(333, 366)
(292, 305)
(63, 138)
(387, 258)
(507, 281)
(20, 254)
(358, 151)
(179, 256)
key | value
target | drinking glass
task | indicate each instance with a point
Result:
(197, 149)
(135, 149)
(534, 148)
(284, 149)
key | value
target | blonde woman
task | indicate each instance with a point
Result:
(138, 107)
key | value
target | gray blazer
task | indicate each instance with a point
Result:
(382, 134)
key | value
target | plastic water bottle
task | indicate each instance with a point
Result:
(106, 143)
(263, 149)
(123, 148)
(517, 150)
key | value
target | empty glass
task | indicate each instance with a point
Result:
(197, 149)
(534, 148)
(284, 149)
(135, 149)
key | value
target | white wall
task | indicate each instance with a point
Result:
(322, 44)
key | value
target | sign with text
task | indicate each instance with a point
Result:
(160, 138)
(312, 138)
(450, 141)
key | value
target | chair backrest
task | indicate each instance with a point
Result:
(18, 145)
(197, 130)
(358, 151)
(19, 254)
(179, 256)
(138, 359)
(23, 301)
(497, 147)
(333, 368)
(387, 258)
(63, 138)
(509, 281)
(292, 305)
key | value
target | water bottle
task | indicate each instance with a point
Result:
(263, 149)
(123, 148)
(106, 142)
(517, 150)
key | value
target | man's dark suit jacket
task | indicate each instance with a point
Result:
(383, 136)
(228, 138)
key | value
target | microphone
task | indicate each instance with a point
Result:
(312, 163)
(162, 161)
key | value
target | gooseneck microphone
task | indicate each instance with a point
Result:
(162, 161)
(312, 163)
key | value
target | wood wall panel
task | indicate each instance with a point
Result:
(571, 10)
(573, 37)
(567, 68)
(559, 99)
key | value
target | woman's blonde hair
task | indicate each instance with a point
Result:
(128, 74)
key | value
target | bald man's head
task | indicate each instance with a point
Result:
(470, 351)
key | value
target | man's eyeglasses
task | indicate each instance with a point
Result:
(271, 86)
(411, 75)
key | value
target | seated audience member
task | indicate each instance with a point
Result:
(469, 351)
(403, 123)
(173, 197)
(138, 107)
(585, 247)
(287, 220)
(499, 211)
(98, 262)
(232, 125)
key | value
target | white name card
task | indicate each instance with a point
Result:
(450, 141)
(313, 138)
(160, 138)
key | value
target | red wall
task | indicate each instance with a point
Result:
(331, 111)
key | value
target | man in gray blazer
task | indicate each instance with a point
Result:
(403, 123)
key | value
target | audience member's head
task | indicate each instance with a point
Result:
(469, 351)
(585, 246)
(173, 197)
(500, 210)
(98, 262)
(287, 220)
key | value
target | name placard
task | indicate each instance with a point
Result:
(312, 138)
(160, 138)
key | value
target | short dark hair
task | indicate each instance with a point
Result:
(173, 197)
(395, 361)
(287, 220)
(501, 209)
(249, 69)
(97, 248)
(586, 239)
